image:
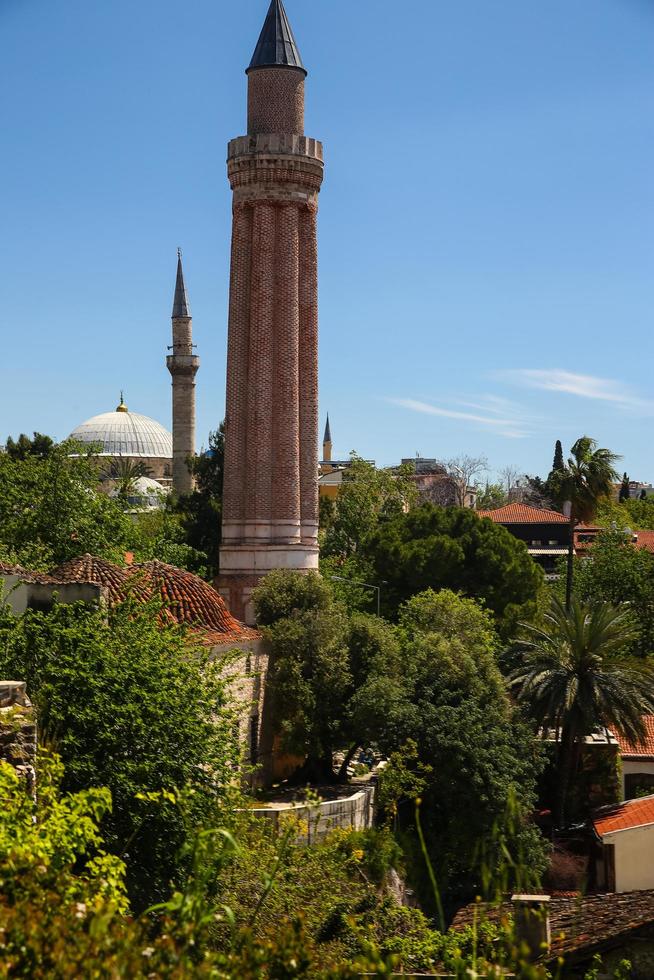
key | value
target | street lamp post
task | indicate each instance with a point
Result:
(362, 585)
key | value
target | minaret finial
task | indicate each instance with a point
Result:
(276, 47)
(122, 407)
(180, 302)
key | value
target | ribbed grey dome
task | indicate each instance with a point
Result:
(125, 433)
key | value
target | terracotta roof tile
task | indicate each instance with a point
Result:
(97, 571)
(523, 514)
(579, 925)
(628, 750)
(191, 600)
(188, 599)
(624, 816)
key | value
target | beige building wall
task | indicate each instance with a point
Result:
(634, 858)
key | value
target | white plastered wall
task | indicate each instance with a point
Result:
(634, 858)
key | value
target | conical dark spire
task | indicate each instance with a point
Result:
(180, 303)
(328, 434)
(276, 44)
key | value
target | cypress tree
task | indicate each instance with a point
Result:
(624, 489)
(558, 457)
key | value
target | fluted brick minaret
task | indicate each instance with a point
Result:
(183, 365)
(270, 500)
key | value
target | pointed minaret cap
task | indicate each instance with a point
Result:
(328, 434)
(180, 303)
(276, 46)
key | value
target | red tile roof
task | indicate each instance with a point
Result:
(191, 601)
(523, 514)
(187, 598)
(642, 751)
(111, 577)
(624, 816)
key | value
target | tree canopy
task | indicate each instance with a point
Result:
(481, 755)
(129, 705)
(51, 510)
(430, 547)
(577, 677)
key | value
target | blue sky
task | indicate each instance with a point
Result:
(486, 227)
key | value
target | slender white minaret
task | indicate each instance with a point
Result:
(183, 365)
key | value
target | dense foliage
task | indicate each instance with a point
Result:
(200, 511)
(131, 706)
(481, 754)
(577, 677)
(580, 485)
(63, 904)
(51, 510)
(433, 548)
(620, 574)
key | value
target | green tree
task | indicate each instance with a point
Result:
(159, 534)
(132, 706)
(201, 510)
(125, 473)
(309, 674)
(23, 447)
(576, 678)
(588, 477)
(368, 497)
(624, 489)
(559, 463)
(377, 708)
(336, 682)
(621, 575)
(491, 497)
(50, 509)
(431, 547)
(482, 756)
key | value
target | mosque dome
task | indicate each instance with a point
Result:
(124, 433)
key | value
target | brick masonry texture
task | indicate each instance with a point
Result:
(276, 101)
(270, 516)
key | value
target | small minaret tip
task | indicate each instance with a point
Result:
(180, 302)
(122, 407)
(327, 443)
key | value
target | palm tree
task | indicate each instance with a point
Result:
(126, 472)
(577, 677)
(588, 476)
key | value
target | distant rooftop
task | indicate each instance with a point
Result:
(523, 514)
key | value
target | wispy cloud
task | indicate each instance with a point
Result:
(511, 426)
(580, 385)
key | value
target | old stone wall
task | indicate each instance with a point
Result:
(18, 729)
